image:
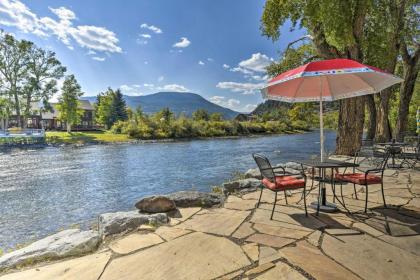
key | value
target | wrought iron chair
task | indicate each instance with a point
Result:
(278, 181)
(364, 177)
(410, 156)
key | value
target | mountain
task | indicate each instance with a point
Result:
(268, 106)
(177, 102)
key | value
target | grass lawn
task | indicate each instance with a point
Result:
(57, 137)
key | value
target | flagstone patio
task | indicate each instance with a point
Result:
(238, 241)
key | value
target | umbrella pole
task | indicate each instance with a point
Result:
(321, 125)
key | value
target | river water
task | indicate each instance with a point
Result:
(46, 190)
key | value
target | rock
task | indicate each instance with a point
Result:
(293, 165)
(112, 223)
(244, 185)
(155, 204)
(71, 242)
(253, 173)
(195, 199)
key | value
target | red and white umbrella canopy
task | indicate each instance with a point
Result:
(332, 79)
(328, 80)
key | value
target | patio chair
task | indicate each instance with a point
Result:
(277, 181)
(364, 178)
(410, 156)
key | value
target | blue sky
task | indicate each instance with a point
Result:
(210, 47)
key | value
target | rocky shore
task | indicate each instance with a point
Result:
(152, 211)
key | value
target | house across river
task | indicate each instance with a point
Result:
(42, 118)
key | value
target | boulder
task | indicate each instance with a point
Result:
(196, 199)
(113, 223)
(253, 173)
(155, 204)
(293, 165)
(243, 186)
(71, 242)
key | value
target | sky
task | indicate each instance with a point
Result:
(211, 47)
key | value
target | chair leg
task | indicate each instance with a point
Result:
(333, 189)
(285, 196)
(355, 192)
(342, 196)
(383, 194)
(259, 200)
(304, 201)
(366, 202)
(274, 205)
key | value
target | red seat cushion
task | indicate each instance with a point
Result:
(359, 178)
(284, 183)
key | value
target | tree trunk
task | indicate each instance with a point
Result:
(383, 132)
(406, 92)
(68, 126)
(371, 125)
(350, 128)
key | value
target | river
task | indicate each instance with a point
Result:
(46, 190)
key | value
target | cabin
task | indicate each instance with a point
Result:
(41, 118)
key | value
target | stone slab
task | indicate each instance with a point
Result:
(319, 266)
(269, 240)
(134, 242)
(219, 221)
(281, 231)
(169, 233)
(182, 214)
(244, 230)
(408, 243)
(267, 254)
(281, 272)
(368, 229)
(375, 259)
(87, 268)
(252, 251)
(210, 257)
(259, 269)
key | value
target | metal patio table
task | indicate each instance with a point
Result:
(322, 204)
(394, 148)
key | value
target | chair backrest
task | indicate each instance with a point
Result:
(264, 166)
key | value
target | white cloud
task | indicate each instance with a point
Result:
(259, 77)
(98, 58)
(258, 62)
(15, 13)
(147, 36)
(226, 66)
(249, 107)
(243, 88)
(173, 87)
(152, 28)
(210, 59)
(131, 89)
(161, 78)
(90, 52)
(242, 70)
(223, 101)
(183, 43)
(201, 63)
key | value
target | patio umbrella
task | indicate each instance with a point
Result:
(327, 80)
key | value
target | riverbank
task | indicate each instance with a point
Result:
(234, 239)
(106, 137)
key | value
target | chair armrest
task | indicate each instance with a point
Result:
(376, 170)
(279, 167)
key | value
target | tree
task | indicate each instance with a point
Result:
(110, 108)
(13, 69)
(410, 53)
(353, 29)
(5, 109)
(41, 78)
(68, 102)
(200, 115)
(216, 117)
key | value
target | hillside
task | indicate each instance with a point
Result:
(177, 102)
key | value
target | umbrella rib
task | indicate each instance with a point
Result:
(363, 80)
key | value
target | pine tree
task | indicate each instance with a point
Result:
(68, 102)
